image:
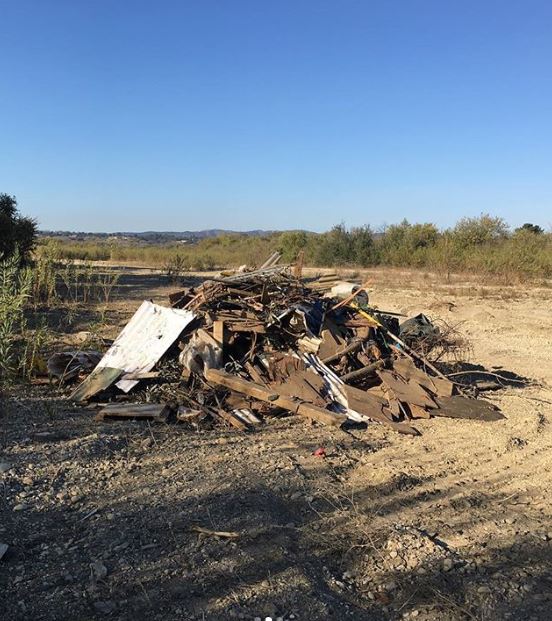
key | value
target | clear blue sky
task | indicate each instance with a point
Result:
(172, 115)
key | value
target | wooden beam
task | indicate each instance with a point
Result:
(158, 412)
(375, 408)
(367, 370)
(216, 376)
(218, 333)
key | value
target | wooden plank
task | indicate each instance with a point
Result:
(342, 352)
(263, 394)
(247, 326)
(158, 412)
(254, 373)
(364, 371)
(219, 333)
(409, 371)
(373, 407)
(141, 376)
(298, 268)
(407, 392)
(417, 412)
(100, 379)
(303, 385)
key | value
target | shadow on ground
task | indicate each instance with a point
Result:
(126, 549)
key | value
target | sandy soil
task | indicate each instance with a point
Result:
(455, 524)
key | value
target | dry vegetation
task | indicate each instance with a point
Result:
(483, 245)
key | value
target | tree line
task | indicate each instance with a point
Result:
(483, 244)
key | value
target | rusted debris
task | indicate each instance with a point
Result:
(246, 347)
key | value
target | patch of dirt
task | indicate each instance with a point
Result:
(455, 524)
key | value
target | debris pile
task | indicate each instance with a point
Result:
(253, 345)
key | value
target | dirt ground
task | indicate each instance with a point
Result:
(455, 524)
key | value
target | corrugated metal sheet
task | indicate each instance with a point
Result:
(145, 338)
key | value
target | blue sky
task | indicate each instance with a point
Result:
(173, 115)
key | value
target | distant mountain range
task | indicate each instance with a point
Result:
(152, 236)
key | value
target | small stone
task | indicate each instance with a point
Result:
(448, 564)
(4, 467)
(483, 590)
(20, 507)
(390, 586)
(105, 608)
(98, 570)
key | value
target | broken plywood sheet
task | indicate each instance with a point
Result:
(146, 337)
(332, 341)
(462, 407)
(368, 405)
(304, 385)
(409, 371)
(406, 391)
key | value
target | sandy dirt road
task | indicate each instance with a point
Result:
(455, 524)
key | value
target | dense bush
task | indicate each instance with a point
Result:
(17, 233)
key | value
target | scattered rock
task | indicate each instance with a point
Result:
(105, 607)
(98, 571)
(5, 467)
(448, 564)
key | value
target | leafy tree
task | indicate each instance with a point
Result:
(335, 247)
(17, 233)
(362, 246)
(531, 228)
(291, 243)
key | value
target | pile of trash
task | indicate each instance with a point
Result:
(245, 347)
